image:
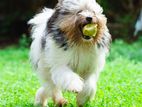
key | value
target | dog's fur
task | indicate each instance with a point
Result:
(62, 56)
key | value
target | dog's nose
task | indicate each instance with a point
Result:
(89, 19)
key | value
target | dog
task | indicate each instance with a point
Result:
(64, 58)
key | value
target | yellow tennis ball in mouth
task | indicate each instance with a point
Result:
(90, 30)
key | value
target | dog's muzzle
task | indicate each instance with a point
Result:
(88, 20)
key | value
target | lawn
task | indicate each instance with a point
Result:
(120, 84)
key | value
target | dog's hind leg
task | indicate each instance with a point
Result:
(45, 92)
(41, 97)
(58, 97)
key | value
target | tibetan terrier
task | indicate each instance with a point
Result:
(65, 58)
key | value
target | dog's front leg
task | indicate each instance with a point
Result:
(65, 78)
(88, 91)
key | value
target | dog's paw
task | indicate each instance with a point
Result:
(76, 85)
(39, 105)
(61, 103)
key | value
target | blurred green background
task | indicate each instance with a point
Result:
(14, 14)
(119, 86)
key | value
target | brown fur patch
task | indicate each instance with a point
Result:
(70, 27)
(71, 24)
(101, 21)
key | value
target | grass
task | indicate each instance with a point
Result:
(120, 85)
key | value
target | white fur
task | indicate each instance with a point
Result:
(76, 69)
(38, 30)
(82, 4)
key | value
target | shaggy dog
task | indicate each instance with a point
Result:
(64, 58)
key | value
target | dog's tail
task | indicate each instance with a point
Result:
(39, 22)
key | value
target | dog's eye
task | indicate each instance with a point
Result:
(93, 12)
(64, 12)
(79, 11)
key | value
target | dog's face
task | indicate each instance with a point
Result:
(72, 15)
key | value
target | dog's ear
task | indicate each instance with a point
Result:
(60, 1)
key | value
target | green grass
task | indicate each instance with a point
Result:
(120, 85)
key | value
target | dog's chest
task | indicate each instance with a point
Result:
(82, 61)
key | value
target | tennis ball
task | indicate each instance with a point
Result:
(90, 30)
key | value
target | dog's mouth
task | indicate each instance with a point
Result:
(81, 30)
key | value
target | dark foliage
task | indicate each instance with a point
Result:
(14, 15)
(122, 15)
